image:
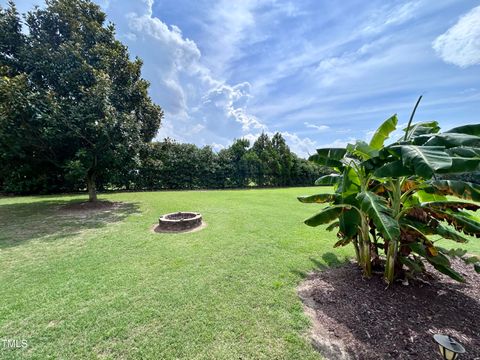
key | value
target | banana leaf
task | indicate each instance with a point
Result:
(450, 140)
(424, 160)
(327, 215)
(335, 164)
(383, 132)
(461, 189)
(349, 223)
(394, 169)
(464, 159)
(447, 270)
(423, 128)
(461, 221)
(318, 198)
(362, 150)
(420, 249)
(377, 209)
(473, 129)
(435, 227)
(331, 179)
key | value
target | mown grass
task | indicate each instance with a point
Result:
(101, 285)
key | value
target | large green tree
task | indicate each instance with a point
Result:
(236, 163)
(83, 107)
(262, 162)
(282, 163)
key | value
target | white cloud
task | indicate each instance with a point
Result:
(389, 16)
(460, 45)
(161, 45)
(317, 127)
(199, 107)
(248, 121)
(217, 147)
(231, 103)
(338, 143)
(302, 146)
(227, 24)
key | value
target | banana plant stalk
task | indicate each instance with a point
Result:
(392, 251)
(366, 259)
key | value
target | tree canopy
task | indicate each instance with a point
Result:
(172, 165)
(73, 106)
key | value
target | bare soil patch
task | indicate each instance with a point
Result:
(355, 318)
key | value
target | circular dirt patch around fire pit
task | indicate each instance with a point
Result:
(179, 222)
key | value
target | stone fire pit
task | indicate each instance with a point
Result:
(179, 221)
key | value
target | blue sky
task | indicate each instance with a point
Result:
(320, 72)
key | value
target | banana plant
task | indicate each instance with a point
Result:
(389, 198)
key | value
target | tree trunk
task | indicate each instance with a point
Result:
(91, 187)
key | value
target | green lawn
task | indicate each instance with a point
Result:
(101, 285)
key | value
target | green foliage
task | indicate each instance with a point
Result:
(383, 133)
(73, 106)
(327, 215)
(377, 209)
(319, 198)
(172, 165)
(389, 198)
(423, 161)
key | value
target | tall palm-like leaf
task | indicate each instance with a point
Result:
(326, 215)
(377, 209)
(424, 161)
(461, 189)
(331, 179)
(383, 132)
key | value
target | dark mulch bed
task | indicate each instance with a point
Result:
(354, 318)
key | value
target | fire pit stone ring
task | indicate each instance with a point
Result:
(180, 221)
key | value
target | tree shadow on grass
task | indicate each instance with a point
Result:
(356, 318)
(329, 260)
(52, 219)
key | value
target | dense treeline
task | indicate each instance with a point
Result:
(172, 165)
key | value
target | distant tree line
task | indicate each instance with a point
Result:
(172, 165)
